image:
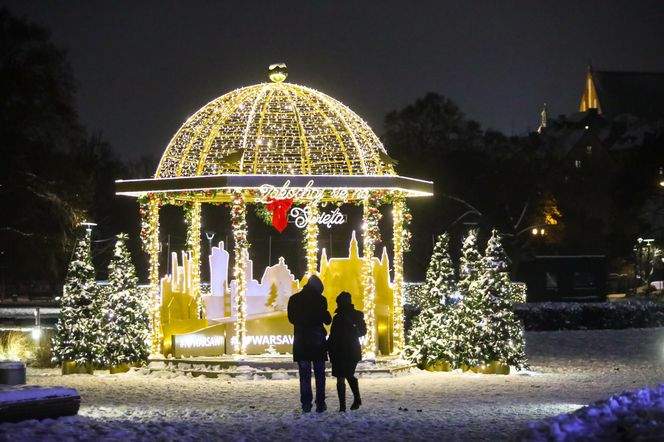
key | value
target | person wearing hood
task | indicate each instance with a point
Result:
(307, 311)
(345, 350)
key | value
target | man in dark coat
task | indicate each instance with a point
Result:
(345, 349)
(307, 311)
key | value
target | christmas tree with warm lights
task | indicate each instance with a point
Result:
(79, 337)
(426, 344)
(126, 312)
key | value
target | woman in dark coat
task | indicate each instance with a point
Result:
(344, 348)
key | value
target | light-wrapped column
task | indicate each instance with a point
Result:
(370, 236)
(311, 238)
(239, 225)
(398, 227)
(152, 243)
(192, 212)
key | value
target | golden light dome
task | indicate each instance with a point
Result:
(274, 128)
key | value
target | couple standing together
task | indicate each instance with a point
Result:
(307, 311)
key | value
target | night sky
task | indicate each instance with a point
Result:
(144, 67)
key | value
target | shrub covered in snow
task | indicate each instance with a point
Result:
(580, 316)
(633, 415)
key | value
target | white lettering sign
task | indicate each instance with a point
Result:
(267, 340)
(307, 193)
(198, 341)
(303, 217)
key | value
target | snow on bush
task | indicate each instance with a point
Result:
(544, 316)
(632, 415)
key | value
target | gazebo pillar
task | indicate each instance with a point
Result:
(156, 335)
(193, 219)
(241, 257)
(312, 237)
(370, 236)
(398, 208)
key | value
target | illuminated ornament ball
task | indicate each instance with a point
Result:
(275, 128)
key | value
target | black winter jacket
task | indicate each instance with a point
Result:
(343, 343)
(307, 311)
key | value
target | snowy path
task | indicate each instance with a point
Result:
(570, 369)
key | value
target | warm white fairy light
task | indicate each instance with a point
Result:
(192, 217)
(311, 237)
(239, 226)
(275, 128)
(398, 209)
(155, 293)
(370, 236)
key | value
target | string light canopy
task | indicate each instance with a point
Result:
(276, 144)
(271, 133)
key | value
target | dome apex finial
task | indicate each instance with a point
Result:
(278, 72)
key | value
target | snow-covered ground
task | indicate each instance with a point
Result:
(569, 370)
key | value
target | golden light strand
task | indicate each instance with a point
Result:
(398, 208)
(275, 128)
(311, 237)
(192, 212)
(239, 226)
(155, 292)
(370, 236)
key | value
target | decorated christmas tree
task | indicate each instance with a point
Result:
(126, 312)
(440, 281)
(471, 263)
(466, 325)
(79, 337)
(483, 329)
(426, 344)
(505, 330)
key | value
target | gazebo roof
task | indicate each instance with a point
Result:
(279, 134)
(274, 128)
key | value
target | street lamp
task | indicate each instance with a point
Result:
(88, 227)
(661, 176)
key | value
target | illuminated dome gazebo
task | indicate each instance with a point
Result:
(268, 144)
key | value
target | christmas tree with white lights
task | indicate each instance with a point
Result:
(79, 337)
(505, 330)
(126, 312)
(466, 326)
(483, 328)
(426, 343)
(471, 264)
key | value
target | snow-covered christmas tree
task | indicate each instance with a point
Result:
(505, 330)
(483, 329)
(466, 327)
(126, 311)
(426, 344)
(471, 263)
(79, 336)
(440, 281)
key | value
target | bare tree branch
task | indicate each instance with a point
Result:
(13, 230)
